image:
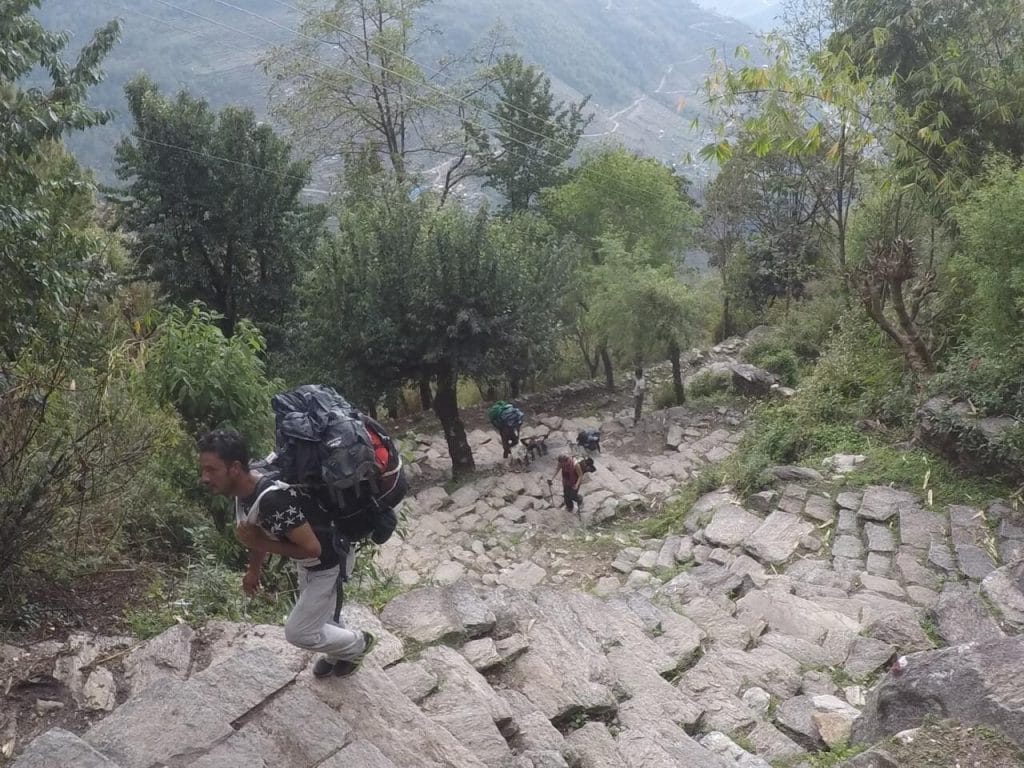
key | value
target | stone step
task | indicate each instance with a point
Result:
(57, 748)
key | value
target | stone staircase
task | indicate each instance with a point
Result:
(748, 638)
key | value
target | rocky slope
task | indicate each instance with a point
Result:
(760, 632)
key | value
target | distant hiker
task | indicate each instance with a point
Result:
(273, 517)
(572, 472)
(589, 440)
(639, 388)
(507, 419)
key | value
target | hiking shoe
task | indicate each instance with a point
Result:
(323, 667)
(347, 667)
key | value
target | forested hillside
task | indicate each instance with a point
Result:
(641, 61)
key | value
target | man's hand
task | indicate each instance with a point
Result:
(251, 582)
(250, 535)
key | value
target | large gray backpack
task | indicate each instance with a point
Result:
(325, 444)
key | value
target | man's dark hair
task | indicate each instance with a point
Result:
(227, 444)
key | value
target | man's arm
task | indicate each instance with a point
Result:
(299, 543)
(251, 579)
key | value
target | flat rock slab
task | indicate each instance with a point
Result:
(966, 525)
(168, 655)
(961, 616)
(880, 538)
(58, 748)
(919, 528)
(523, 576)
(796, 616)
(378, 714)
(847, 546)
(882, 585)
(731, 525)
(940, 556)
(267, 735)
(171, 720)
(880, 503)
(975, 562)
(1005, 590)
(430, 614)
(778, 538)
(820, 508)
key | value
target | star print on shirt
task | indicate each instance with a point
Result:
(284, 520)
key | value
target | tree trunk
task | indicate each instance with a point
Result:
(591, 362)
(725, 328)
(391, 404)
(446, 406)
(609, 371)
(677, 373)
(513, 385)
(426, 396)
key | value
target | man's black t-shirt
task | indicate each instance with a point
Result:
(282, 510)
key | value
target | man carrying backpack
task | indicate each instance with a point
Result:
(275, 518)
(572, 477)
(508, 420)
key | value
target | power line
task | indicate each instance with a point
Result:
(436, 89)
(353, 75)
(210, 155)
(451, 97)
(431, 73)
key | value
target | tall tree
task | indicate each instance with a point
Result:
(635, 199)
(533, 137)
(349, 81)
(408, 291)
(763, 224)
(45, 261)
(215, 206)
(645, 310)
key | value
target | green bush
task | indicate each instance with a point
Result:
(708, 384)
(204, 590)
(860, 376)
(990, 378)
(773, 355)
(211, 380)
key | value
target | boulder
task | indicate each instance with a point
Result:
(970, 441)
(791, 474)
(975, 684)
(751, 381)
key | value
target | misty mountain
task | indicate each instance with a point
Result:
(642, 61)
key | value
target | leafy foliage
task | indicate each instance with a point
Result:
(616, 193)
(409, 291)
(46, 261)
(956, 71)
(214, 200)
(534, 136)
(212, 380)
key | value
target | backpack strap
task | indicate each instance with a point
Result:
(252, 516)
